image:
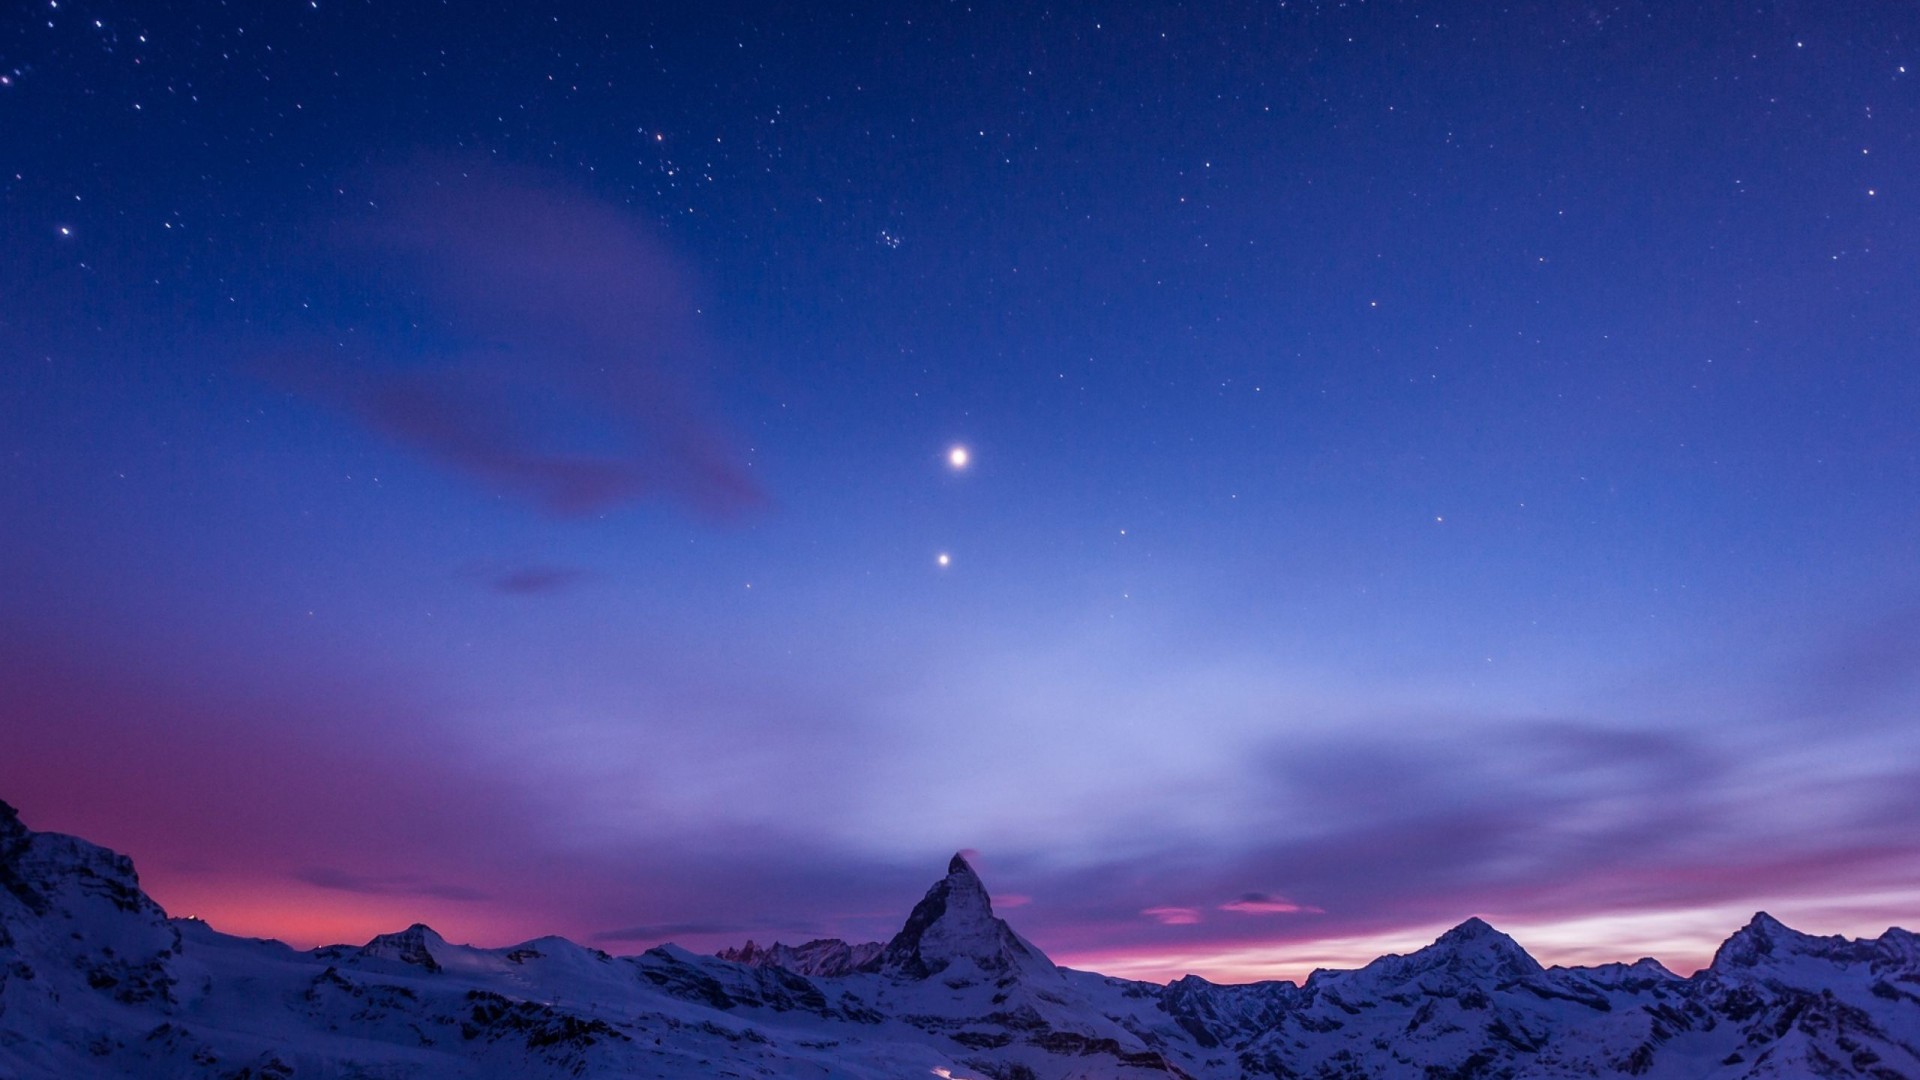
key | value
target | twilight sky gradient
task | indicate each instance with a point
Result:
(487, 464)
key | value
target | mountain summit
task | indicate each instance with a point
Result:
(954, 923)
(1473, 954)
(96, 981)
(1766, 941)
(1476, 949)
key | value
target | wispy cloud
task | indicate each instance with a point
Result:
(1255, 903)
(327, 877)
(667, 931)
(535, 580)
(1371, 825)
(571, 368)
(1173, 916)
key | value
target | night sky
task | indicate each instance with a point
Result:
(490, 465)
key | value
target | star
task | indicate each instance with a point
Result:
(944, 559)
(958, 457)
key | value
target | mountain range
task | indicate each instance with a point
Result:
(97, 981)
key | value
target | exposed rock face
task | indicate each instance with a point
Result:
(1766, 942)
(95, 981)
(414, 946)
(79, 944)
(50, 883)
(955, 922)
(42, 871)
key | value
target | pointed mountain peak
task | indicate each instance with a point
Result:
(1476, 935)
(953, 922)
(1752, 943)
(1471, 954)
(1474, 929)
(1765, 937)
(1487, 950)
(415, 945)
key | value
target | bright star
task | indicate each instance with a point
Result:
(944, 559)
(958, 457)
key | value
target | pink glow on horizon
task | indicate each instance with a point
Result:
(325, 810)
(1243, 962)
(1683, 941)
(306, 917)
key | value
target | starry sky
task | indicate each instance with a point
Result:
(490, 465)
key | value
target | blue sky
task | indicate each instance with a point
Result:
(492, 467)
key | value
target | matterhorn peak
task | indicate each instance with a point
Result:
(955, 922)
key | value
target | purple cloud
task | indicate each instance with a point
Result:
(1423, 822)
(1256, 903)
(241, 796)
(1371, 828)
(1173, 916)
(572, 371)
(669, 931)
(328, 877)
(532, 580)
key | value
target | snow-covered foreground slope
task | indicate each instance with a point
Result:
(95, 980)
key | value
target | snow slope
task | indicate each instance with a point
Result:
(96, 981)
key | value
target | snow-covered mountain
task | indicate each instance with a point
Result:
(821, 956)
(97, 981)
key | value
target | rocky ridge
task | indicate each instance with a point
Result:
(96, 981)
